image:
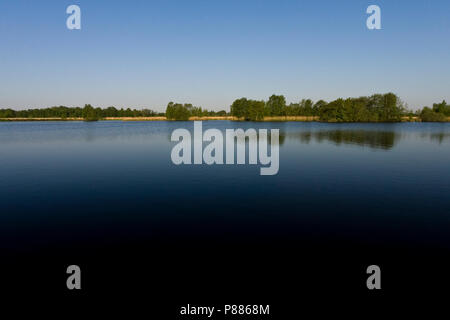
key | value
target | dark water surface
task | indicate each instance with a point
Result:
(107, 194)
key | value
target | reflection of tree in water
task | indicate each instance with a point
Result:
(282, 137)
(439, 137)
(365, 138)
(373, 139)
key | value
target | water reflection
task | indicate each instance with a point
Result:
(365, 138)
(439, 137)
(374, 136)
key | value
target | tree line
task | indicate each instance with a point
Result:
(87, 112)
(376, 108)
(175, 111)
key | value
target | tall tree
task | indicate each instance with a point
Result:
(276, 106)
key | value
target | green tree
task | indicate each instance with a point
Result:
(276, 106)
(238, 107)
(442, 108)
(177, 111)
(429, 115)
(248, 109)
(318, 106)
(90, 114)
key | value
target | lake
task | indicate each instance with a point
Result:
(108, 191)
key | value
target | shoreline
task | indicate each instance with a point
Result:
(231, 118)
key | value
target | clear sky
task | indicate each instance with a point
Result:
(140, 53)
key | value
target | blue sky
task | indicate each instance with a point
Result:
(140, 53)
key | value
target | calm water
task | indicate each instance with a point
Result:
(82, 186)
